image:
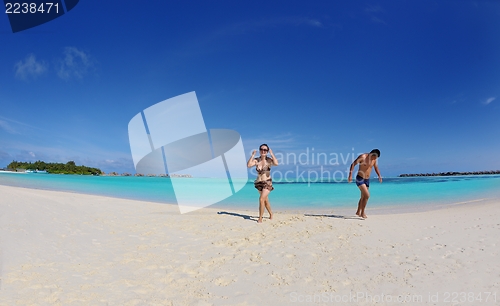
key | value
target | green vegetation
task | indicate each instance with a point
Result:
(57, 168)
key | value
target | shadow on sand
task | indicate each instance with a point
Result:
(336, 216)
(246, 217)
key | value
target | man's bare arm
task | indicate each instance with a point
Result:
(378, 173)
(354, 163)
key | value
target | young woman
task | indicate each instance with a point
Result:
(263, 183)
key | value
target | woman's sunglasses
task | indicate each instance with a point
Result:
(265, 150)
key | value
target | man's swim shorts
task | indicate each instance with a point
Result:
(360, 181)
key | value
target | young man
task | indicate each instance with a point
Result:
(366, 161)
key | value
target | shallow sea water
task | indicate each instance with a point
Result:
(394, 194)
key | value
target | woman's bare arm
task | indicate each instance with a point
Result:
(252, 162)
(275, 160)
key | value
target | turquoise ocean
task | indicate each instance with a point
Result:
(394, 194)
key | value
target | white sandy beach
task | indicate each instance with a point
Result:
(59, 248)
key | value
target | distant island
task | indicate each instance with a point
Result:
(148, 175)
(451, 173)
(55, 168)
(71, 168)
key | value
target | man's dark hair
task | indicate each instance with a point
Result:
(375, 151)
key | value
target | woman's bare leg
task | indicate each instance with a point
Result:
(261, 209)
(262, 203)
(268, 207)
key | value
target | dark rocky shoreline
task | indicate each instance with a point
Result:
(451, 173)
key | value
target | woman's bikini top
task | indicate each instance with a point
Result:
(267, 166)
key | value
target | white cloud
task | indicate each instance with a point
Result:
(294, 21)
(269, 23)
(17, 127)
(24, 156)
(30, 67)
(121, 164)
(314, 22)
(4, 155)
(76, 63)
(245, 26)
(489, 100)
(378, 20)
(6, 126)
(276, 142)
(373, 10)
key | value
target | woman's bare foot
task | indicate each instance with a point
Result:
(270, 216)
(364, 216)
(260, 220)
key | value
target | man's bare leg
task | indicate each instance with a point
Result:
(365, 195)
(358, 212)
(366, 202)
(262, 203)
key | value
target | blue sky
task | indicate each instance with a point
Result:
(420, 80)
